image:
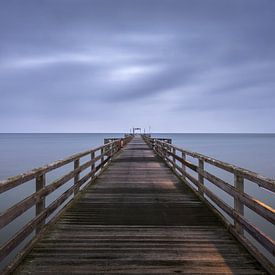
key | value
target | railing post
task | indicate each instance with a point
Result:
(200, 177)
(183, 156)
(160, 148)
(238, 205)
(76, 177)
(154, 144)
(93, 164)
(174, 158)
(118, 145)
(162, 151)
(102, 157)
(40, 206)
(166, 148)
(112, 150)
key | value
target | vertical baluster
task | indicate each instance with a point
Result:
(164, 151)
(76, 177)
(102, 157)
(183, 156)
(200, 177)
(119, 145)
(238, 205)
(112, 150)
(116, 147)
(174, 158)
(165, 155)
(40, 206)
(93, 164)
(161, 149)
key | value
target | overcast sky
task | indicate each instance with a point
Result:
(105, 66)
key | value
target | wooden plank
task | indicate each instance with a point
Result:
(138, 219)
(31, 225)
(262, 238)
(244, 241)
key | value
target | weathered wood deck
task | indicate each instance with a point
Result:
(138, 218)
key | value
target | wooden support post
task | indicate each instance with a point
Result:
(165, 153)
(102, 157)
(174, 159)
(155, 146)
(76, 177)
(112, 150)
(183, 156)
(161, 150)
(238, 205)
(40, 206)
(119, 145)
(200, 177)
(93, 164)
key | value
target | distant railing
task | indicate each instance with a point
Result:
(166, 140)
(176, 159)
(126, 137)
(99, 158)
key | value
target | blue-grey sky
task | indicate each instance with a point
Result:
(108, 65)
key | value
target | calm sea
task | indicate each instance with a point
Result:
(22, 152)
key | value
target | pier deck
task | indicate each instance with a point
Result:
(138, 218)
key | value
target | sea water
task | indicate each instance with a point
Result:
(22, 152)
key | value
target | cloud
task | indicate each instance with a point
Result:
(117, 62)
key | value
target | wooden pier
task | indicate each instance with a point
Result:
(139, 215)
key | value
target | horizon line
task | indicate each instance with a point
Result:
(137, 133)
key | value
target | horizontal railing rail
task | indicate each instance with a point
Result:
(99, 158)
(176, 159)
(167, 140)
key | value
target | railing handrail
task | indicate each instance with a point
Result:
(262, 181)
(168, 153)
(19, 179)
(43, 190)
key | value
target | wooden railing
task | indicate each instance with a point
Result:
(98, 158)
(176, 159)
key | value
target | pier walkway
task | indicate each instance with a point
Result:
(138, 218)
